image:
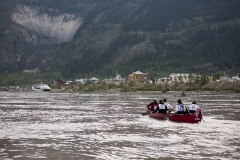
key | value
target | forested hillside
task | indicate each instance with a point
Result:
(157, 37)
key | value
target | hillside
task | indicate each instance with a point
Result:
(81, 38)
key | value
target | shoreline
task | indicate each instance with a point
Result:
(216, 86)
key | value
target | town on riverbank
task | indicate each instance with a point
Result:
(138, 81)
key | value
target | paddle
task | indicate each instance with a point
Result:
(145, 113)
(202, 117)
(166, 117)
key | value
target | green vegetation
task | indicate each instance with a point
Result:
(177, 86)
(23, 79)
(153, 36)
(204, 79)
(216, 76)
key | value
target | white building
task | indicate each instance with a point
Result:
(94, 80)
(182, 77)
(81, 81)
(223, 78)
(236, 78)
(179, 77)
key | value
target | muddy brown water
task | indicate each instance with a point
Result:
(73, 126)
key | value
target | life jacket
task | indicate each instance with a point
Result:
(165, 107)
(153, 106)
(193, 107)
(168, 106)
(181, 107)
(162, 106)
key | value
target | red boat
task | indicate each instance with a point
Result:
(159, 115)
(190, 118)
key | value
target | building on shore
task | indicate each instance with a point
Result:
(179, 77)
(138, 77)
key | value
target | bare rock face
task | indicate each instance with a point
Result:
(60, 28)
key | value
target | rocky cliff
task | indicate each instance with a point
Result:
(60, 27)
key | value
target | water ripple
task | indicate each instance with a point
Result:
(110, 126)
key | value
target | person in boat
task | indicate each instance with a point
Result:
(161, 108)
(152, 106)
(169, 107)
(180, 108)
(193, 107)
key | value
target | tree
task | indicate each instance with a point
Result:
(180, 78)
(204, 79)
(197, 79)
(152, 78)
(216, 76)
(190, 78)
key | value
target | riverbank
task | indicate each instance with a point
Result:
(164, 87)
(209, 86)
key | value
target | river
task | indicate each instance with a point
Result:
(79, 126)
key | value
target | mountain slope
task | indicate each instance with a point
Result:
(80, 38)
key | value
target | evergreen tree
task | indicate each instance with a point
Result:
(216, 76)
(197, 79)
(190, 78)
(204, 79)
(152, 78)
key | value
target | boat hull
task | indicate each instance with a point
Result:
(189, 118)
(41, 87)
(159, 115)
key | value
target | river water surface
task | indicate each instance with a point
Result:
(79, 126)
